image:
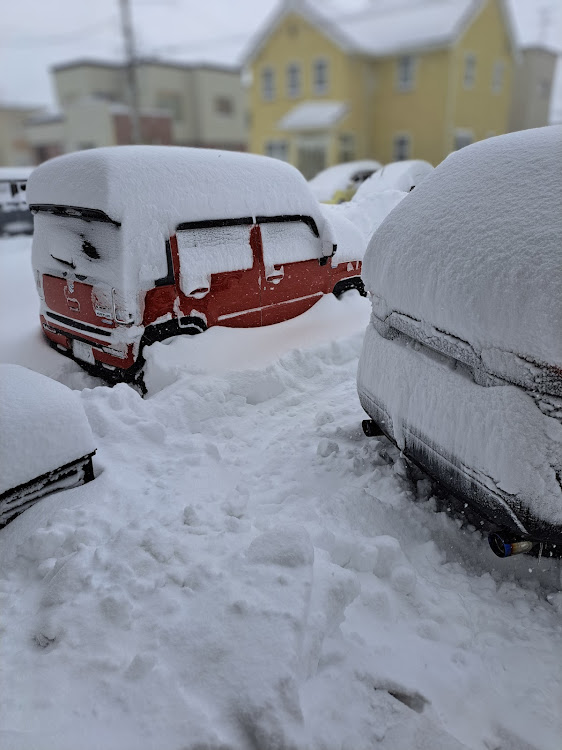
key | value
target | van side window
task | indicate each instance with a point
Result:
(288, 242)
(204, 251)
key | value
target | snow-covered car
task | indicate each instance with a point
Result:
(339, 183)
(134, 245)
(15, 216)
(461, 365)
(45, 443)
(399, 175)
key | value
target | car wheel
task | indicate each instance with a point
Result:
(346, 284)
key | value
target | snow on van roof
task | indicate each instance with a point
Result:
(150, 190)
(476, 249)
(183, 184)
(15, 174)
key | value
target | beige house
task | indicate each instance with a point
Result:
(15, 151)
(188, 105)
(532, 88)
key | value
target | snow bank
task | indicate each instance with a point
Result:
(43, 426)
(338, 177)
(152, 189)
(481, 236)
(222, 584)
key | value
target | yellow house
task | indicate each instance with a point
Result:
(392, 82)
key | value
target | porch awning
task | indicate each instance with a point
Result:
(313, 115)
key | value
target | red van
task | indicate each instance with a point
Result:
(135, 244)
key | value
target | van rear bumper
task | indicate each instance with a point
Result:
(108, 357)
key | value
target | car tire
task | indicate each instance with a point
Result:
(356, 282)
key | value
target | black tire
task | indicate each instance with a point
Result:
(356, 282)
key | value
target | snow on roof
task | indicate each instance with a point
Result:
(313, 115)
(381, 29)
(12, 174)
(482, 237)
(338, 177)
(43, 426)
(184, 184)
(152, 189)
(411, 26)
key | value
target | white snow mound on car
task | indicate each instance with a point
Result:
(44, 426)
(482, 237)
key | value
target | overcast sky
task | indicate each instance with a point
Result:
(36, 34)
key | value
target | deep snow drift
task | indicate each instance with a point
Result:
(248, 571)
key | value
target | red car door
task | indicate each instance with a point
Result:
(294, 278)
(220, 272)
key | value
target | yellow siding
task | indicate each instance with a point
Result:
(430, 113)
(419, 112)
(295, 40)
(479, 109)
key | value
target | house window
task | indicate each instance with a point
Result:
(268, 84)
(293, 80)
(346, 147)
(172, 102)
(544, 88)
(224, 105)
(320, 77)
(405, 71)
(463, 138)
(401, 147)
(469, 70)
(497, 76)
(277, 150)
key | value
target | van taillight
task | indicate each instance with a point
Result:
(102, 302)
(120, 310)
(39, 283)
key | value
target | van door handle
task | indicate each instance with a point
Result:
(275, 276)
(198, 293)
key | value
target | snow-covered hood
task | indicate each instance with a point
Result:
(476, 250)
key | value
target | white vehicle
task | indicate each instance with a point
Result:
(338, 183)
(399, 175)
(46, 443)
(462, 361)
(15, 216)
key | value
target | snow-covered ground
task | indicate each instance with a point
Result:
(248, 572)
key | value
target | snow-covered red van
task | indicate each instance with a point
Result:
(135, 244)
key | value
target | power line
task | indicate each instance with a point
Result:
(55, 39)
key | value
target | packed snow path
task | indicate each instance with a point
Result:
(249, 572)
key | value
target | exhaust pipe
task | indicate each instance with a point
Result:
(371, 428)
(506, 547)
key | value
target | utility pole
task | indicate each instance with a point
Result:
(131, 69)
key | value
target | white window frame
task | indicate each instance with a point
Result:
(498, 75)
(399, 140)
(320, 87)
(406, 72)
(346, 147)
(268, 84)
(463, 134)
(294, 82)
(277, 149)
(469, 72)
